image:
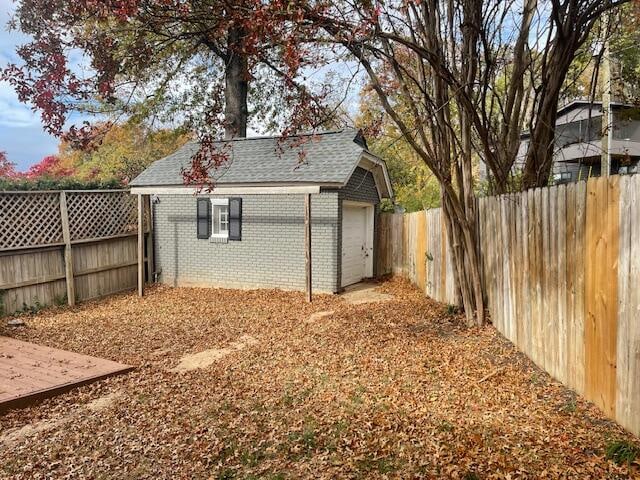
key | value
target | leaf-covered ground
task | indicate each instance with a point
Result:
(396, 389)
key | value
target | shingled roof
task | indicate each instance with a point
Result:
(329, 159)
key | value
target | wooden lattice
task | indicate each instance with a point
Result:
(29, 219)
(101, 214)
(33, 219)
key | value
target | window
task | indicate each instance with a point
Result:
(220, 218)
(579, 131)
(562, 177)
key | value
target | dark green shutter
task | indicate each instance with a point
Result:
(203, 218)
(235, 219)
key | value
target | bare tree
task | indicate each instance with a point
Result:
(460, 79)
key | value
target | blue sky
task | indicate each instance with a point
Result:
(21, 133)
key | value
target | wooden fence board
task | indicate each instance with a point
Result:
(537, 277)
(552, 284)
(421, 250)
(569, 285)
(525, 313)
(628, 341)
(601, 292)
(612, 231)
(561, 284)
(442, 283)
(580, 282)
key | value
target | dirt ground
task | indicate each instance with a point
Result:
(390, 389)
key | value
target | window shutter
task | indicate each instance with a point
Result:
(203, 218)
(235, 218)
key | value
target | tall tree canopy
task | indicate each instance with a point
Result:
(124, 151)
(196, 61)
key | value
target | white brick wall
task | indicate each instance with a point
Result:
(270, 254)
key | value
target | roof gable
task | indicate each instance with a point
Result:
(329, 158)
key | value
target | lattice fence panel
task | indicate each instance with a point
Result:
(29, 219)
(101, 214)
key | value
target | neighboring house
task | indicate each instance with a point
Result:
(578, 153)
(249, 231)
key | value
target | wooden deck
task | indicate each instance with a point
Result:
(30, 372)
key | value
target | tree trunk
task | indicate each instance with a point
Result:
(236, 86)
(539, 160)
(466, 261)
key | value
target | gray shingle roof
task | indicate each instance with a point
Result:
(329, 157)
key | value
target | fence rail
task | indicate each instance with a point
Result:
(65, 246)
(561, 268)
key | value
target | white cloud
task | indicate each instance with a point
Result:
(12, 112)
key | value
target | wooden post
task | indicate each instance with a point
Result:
(68, 258)
(150, 258)
(307, 242)
(140, 246)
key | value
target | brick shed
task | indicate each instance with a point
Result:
(248, 232)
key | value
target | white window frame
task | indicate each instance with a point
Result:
(219, 202)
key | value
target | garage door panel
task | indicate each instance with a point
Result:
(354, 235)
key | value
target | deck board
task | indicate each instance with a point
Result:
(30, 372)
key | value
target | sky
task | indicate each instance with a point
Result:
(21, 133)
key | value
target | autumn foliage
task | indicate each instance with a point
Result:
(142, 52)
(7, 168)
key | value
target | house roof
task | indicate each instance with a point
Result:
(589, 103)
(329, 159)
(595, 106)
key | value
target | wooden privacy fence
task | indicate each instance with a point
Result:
(415, 246)
(561, 268)
(65, 246)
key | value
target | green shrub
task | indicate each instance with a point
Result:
(45, 183)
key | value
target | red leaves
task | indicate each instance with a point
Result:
(87, 137)
(7, 168)
(48, 167)
(204, 164)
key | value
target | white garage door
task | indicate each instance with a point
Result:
(354, 244)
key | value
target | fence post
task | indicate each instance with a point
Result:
(150, 255)
(68, 258)
(307, 243)
(140, 246)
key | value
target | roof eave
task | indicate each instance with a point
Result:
(380, 173)
(235, 189)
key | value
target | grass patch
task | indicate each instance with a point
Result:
(471, 476)
(300, 444)
(569, 407)
(445, 427)
(452, 310)
(622, 452)
(252, 458)
(381, 465)
(226, 474)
